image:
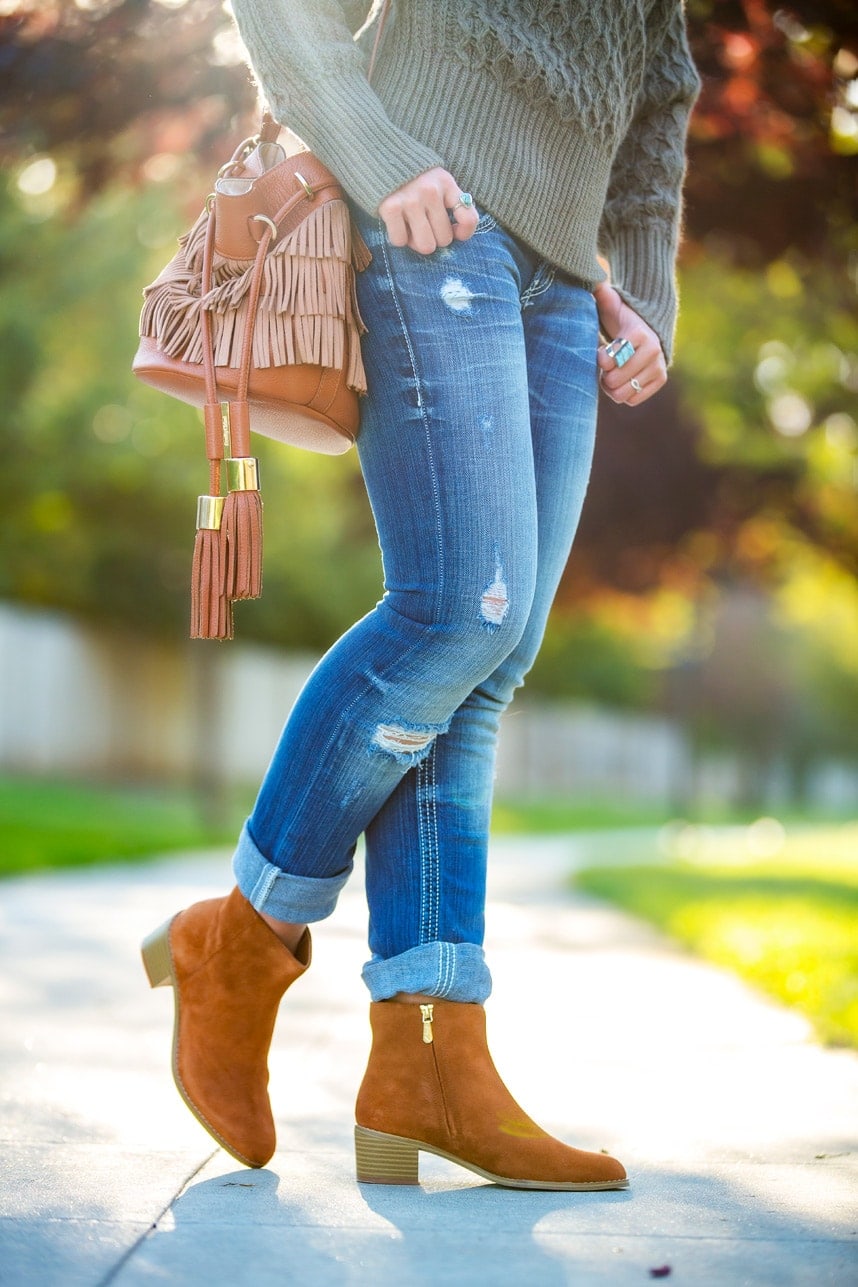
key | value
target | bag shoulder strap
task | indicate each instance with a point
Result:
(376, 44)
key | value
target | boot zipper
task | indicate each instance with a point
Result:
(427, 1012)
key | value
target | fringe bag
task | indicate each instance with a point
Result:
(255, 320)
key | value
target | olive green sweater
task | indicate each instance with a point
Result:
(565, 119)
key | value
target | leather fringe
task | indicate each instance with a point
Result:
(211, 610)
(241, 526)
(307, 312)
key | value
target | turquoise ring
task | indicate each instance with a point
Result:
(620, 350)
(465, 200)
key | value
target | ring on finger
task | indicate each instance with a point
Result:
(636, 385)
(465, 202)
(620, 350)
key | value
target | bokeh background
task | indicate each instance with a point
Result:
(696, 701)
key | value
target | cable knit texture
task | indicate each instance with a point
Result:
(565, 119)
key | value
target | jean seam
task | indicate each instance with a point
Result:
(542, 280)
(448, 963)
(439, 977)
(427, 839)
(421, 403)
(264, 884)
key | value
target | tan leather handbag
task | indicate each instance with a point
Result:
(255, 320)
(263, 284)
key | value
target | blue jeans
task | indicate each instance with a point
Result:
(475, 446)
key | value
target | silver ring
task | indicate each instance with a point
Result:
(620, 350)
(636, 385)
(465, 201)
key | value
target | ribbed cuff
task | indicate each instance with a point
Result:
(642, 271)
(454, 971)
(297, 899)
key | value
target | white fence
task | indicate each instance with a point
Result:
(78, 701)
(75, 701)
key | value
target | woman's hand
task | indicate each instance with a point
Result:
(418, 214)
(646, 371)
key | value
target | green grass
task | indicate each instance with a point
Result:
(45, 824)
(542, 817)
(787, 922)
(539, 817)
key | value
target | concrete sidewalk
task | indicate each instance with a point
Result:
(738, 1132)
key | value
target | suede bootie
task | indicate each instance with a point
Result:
(431, 1084)
(228, 972)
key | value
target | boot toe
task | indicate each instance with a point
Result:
(607, 1168)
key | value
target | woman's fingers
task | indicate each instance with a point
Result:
(461, 212)
(630, 380)
(631, 365)
(420, 213)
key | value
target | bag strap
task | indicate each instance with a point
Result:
(212, 410)
(239, 419)
(376, 44)
(228, 551)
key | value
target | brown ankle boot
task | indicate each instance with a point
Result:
(228, 971)
(431, 1084)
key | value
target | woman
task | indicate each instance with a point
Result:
(499, 148)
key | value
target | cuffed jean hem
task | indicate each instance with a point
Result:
(278, 893)
(454, 971)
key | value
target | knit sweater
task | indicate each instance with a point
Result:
(566, 119)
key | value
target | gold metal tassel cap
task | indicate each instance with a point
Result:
(209, 513)
(242, 474)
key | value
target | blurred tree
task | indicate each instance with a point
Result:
(761, 419)
(775, 131)
(108, 84)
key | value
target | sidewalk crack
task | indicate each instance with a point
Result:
(112, 1274)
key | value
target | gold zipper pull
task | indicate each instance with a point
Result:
(427, 1011)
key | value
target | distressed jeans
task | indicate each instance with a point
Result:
(475, 446)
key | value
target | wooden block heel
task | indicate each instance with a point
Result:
(157, 960)
(384, 1159)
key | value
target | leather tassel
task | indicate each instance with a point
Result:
(211, 610)
(242, 529)
(361, 257)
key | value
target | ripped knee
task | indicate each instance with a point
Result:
(407, 743)
(494, 602)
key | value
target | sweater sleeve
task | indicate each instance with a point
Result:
(313, 77)
(642, 217)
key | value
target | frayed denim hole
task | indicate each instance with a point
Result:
(408, 746)
(456, 295)
(494, 603)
